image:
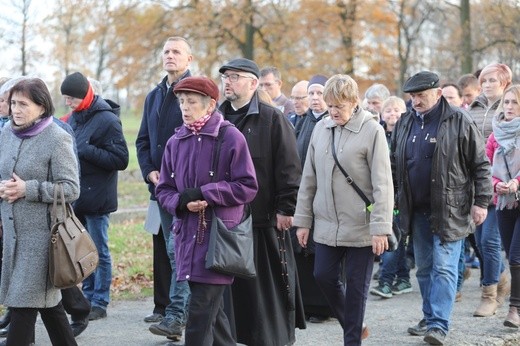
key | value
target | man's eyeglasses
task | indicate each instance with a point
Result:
(298, 98)
(233, 77)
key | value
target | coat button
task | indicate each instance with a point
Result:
(187, 277)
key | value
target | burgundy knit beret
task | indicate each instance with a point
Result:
(199, 85)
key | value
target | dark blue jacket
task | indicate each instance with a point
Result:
(102, 151)
(155, 130)
(303, 131)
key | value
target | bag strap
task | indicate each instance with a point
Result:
(216, 152)
(58, 191)
(350, 181)
(507, 167)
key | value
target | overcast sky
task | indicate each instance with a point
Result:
(10, 21)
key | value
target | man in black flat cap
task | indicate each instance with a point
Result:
(267, 308)
(440, 144)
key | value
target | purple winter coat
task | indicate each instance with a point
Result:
(186, 163)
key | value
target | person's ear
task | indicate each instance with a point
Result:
(254, 83)
(211, 106)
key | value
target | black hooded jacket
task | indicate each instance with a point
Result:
(102, 151)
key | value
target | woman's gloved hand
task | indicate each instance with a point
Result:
(189, 195)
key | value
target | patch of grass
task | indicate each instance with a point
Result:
(132, 193)
(132, 259)
(131, 123)
(130, 245)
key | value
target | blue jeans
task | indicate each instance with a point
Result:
(437, 272)
(394, 265)
(96, 287)
(489, 243)
(509, 225)
(462, 266)
(179, 290)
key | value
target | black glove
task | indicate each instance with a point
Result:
(189, 195)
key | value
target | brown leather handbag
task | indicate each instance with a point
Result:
(73, 256)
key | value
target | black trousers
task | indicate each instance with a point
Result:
(55, 320)
(75, 303)
(162, 273)
(347, 300)
(207, 324)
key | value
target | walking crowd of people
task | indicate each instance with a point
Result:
(331, 180)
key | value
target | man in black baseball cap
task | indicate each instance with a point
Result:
(437, 143)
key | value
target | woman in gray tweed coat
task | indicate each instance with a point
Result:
(36, 153)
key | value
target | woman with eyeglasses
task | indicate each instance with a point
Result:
(347, 232)
(192, 184)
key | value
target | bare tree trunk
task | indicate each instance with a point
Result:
(348, 18)
(249, 50)
(465, 22)
(23, 44)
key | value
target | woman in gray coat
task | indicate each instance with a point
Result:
(35, 155)
(345, 228)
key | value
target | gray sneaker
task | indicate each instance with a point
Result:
(435, 336)
(154, 318)
(402, 286)
(171, 330)
(419, 329)
(382, 290)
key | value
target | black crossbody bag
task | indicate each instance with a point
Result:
(230, 251)
(395, 237)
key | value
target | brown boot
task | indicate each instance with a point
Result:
(512, 319)
(504, 288)
(488, 302)
(364, 332)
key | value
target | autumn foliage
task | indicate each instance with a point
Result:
(385, 41)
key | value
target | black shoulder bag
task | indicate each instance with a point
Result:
(395, 237)
(230, 251)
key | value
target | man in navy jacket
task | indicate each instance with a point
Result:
(161, 116)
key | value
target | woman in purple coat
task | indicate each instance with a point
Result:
(188, 189)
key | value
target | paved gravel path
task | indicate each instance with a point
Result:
(387, 319)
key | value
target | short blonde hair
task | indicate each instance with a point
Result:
(341, 88)
(394, 101)
(503, 71)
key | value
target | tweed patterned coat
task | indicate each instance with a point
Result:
(40, 161)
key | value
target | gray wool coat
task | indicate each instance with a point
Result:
(40, 161)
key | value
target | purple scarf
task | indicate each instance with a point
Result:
(33, 129)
